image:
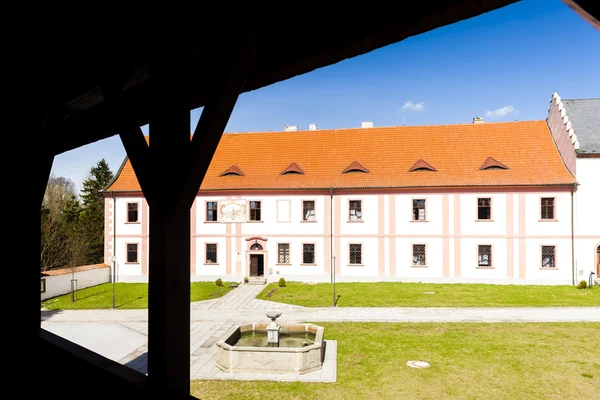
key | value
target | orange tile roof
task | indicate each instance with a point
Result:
(457, 151)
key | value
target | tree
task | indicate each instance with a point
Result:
(92, 215)
(60, 191)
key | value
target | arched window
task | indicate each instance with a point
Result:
(256, 246)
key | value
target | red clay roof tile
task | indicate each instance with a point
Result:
(455, 150)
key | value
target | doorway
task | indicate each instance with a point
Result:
(257, 265)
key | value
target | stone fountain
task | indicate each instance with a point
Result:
(272, 348)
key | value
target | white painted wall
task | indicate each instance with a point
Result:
(369, 207)
(535, 226)
(470, 269)
(128, 272)
(203, 268)
(433, 215)
(124, 227)
(57, 285)
(468, 211)
(404, 259)
(587, 217)
(563, 274)
(281, 221)
(369, 258)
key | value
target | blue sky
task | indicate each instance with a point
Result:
(502, 66)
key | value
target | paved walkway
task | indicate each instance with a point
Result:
(121, 335)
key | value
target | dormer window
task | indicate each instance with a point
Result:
(355, 167)
(422, 165)
(491, 163)
(233, 170)
(292, 169)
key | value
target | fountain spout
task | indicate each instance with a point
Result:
(273, 328)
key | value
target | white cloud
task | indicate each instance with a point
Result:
(501, 112)
(409, 105)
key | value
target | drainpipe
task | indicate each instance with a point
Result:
(573, 234)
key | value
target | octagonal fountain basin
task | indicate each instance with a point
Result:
(247, 348)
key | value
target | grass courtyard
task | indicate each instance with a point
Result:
(402, 294)
(127, 296)
(468, 361)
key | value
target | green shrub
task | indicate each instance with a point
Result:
(282, 282)
(219, 282)
(582, 285)
(246, 279)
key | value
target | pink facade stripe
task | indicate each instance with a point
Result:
(337, 207)
(392, 220)
(446, 235)
(228, 245)
(522, 241)
(327, 260)
(238, 246)
(457, 241)
(510, 251)
(381, 233)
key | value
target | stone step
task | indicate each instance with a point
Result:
(256, 281)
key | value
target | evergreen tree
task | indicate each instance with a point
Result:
(92, 215)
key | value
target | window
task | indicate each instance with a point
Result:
(132, 252)
(484, 208)
(308, 253)
(283, 253)
(308, 210)
(43, 286)
(355, 210)
(132, 212)
(547, 207)
(485, 255)
(211, 253)
(255, 211)
(211, 211)
(419, 255)
(548, 257)
(355, 253)
(418, 209)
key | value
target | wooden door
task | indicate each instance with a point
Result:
(253, 264)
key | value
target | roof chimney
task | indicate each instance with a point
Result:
(312, 127)
(478, 120)
(291, 128)
(366, 124)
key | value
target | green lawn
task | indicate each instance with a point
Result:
(127, 296)
(400, 294)
(468, 361)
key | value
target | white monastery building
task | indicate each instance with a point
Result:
(504, 202)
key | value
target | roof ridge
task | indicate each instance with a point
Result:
(375, 128)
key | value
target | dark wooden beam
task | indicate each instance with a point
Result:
(589, 10)
(131, 136)
(169, 246)
(27, 187)
(306, 43)
(216, 113)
